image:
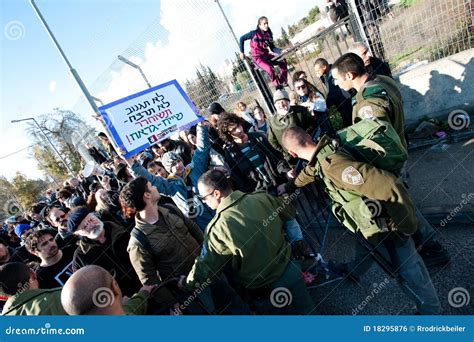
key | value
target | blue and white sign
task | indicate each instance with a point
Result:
(147, 117)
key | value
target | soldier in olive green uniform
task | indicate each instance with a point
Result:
(380, 98)
(246, 235)
(287, 116)
(377, 97)
(369, 201)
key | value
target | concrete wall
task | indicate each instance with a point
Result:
(435, 89)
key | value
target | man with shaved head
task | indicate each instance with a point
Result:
(93, 291)
(368, 201)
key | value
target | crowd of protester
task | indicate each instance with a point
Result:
(192, 225)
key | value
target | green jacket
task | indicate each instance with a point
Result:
(361, 194)
(298, 116)
(35, 302)
(137, 304)
(247, 233)
(380, 98)
(175, 245)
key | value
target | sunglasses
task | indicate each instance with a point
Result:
(202, 198)
(301, 87)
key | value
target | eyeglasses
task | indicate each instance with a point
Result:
(202, 198)
(301, 87)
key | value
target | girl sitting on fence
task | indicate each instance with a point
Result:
(263, 49)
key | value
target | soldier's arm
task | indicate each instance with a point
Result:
(305, 177)
(284, 207)
(375, 108)
(209, 266)
(137, 304)
(370, 182)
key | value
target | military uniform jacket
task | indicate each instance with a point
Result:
(247, 235)
(297, 116)
(35, 302)
(380, 98)
(361, 193)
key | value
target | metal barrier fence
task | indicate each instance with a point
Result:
(329, 44)
(415, 30)
(173, 49)
(401, 35)
(169, 49)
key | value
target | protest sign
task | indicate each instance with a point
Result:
(147, 117)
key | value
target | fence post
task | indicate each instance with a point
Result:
(256, 80)
(354, 13)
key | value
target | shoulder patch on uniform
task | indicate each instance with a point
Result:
(350, 175)
(366, 112)
(372, 89)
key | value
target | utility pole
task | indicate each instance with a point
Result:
(133, 65)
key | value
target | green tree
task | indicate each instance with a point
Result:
(291, 30)
(313, 14)
(19, 194)
(9, 204)
(49, 163)
(205, 88)
(237, 66)
(285, 39)
(69, 134)
(27, 191)
(242, 78)
(213, 84)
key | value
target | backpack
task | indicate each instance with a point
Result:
(375, 142)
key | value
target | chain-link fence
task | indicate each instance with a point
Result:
(172, 48)
(401, 33)
(328, 43)
(414, 30)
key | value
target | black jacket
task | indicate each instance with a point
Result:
(244, 174)
(378, 67)
(338, 98)
(112, 255)
(181, 149)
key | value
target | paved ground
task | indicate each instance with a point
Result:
(439, 182)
